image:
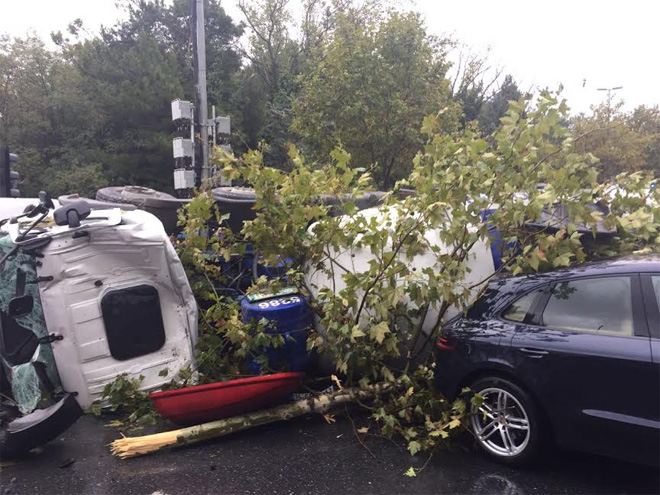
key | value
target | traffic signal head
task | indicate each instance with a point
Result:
(9, 179)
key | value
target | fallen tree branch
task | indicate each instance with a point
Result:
(134, 446)
(357, 435)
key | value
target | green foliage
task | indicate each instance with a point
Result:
(44, 117)
(225, 341)
(381, 304)
(369, 89)
(373, 107)
(275, 58)
(411, 473)
(124, 395)
(622, 141)
(495, 107)
(96, 111)
(282, 49)
(479, 89)
(83, 179)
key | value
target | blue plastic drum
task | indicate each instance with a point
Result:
(289, 315)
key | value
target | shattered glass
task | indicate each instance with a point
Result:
(25, 383)
(25, 387)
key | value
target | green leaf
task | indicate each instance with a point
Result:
(534, 261)
(357, 332)
(379, 331)
(563, 260)
(414, 447)
(410, 473)
(95, 408)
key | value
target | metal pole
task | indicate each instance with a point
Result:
(214, 124)
(200, 100)
(192, 137)
(609, 99)
(214, 133)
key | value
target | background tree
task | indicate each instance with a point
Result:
(479, 88)
(280, 49)
(472, 78)
(46, 116)
(275, 62)
(369, 89)
(97, 109)
(495, 106)
(622, 141)
(136, 68)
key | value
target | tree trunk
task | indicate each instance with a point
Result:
(131, 447)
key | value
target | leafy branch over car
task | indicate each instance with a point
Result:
(383, 281)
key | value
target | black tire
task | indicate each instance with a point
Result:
(111, 195)
(238, 202)
(135, 195)
(533, 442)
(234, 193)
(162, 205)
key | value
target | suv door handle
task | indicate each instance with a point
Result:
(533, 353)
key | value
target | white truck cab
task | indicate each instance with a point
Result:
(87, 295)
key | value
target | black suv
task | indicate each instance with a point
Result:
(571, 355)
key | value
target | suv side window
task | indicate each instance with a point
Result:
(518, 310)
(655, 282)
(595, 305)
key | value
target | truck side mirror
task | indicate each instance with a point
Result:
(20, 306)
(45, 201)
(72, 213)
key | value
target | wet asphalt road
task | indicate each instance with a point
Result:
(301, 456)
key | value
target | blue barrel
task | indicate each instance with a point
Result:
(496, 243)
(289, 315)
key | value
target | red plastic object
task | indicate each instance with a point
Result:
(203, 403)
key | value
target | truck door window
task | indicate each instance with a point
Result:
(133, 321)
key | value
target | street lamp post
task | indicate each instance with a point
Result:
(609, 99)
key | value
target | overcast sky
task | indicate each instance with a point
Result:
(542, 43)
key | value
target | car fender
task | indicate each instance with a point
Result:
(504, 369)
(490, 367)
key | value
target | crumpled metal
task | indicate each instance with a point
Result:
(25, 383)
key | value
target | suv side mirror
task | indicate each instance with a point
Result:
(20, 306)
(72, 213)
